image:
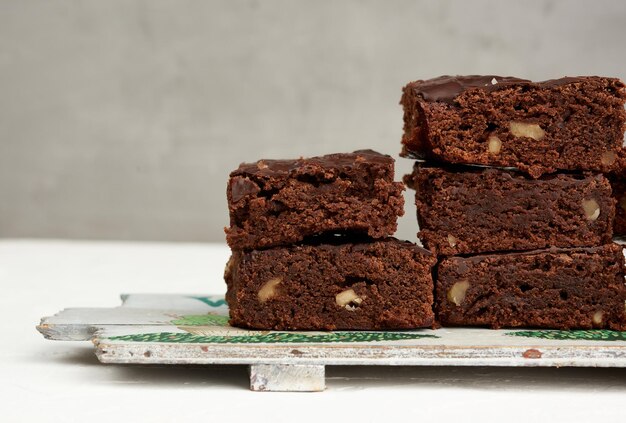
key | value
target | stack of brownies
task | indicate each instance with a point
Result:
(514, 204)
(311, 247)
(513, 198)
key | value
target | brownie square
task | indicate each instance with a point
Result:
(471, 210)
(280, 202)
(575, 288)
(385, 284)
(561, 124)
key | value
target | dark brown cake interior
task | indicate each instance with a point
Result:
(618, 185)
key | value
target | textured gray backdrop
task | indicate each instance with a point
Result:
(121, 119)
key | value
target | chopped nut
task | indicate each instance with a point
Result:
(608, 158)
(598, 317)
(348, 299)
(494, 144)
(591, 208)
(622, 202)
(228, 270)
(529, 130)
(564, 258)
(451, 241)
(268, 290)
(261, 165)
(354, 304)
(456, 294)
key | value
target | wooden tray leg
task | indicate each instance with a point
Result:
(287, 377)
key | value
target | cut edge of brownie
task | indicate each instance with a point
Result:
(618, 185)
(375, 285)
(534, 289)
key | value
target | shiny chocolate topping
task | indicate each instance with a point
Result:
(330, 161)
(446, 88)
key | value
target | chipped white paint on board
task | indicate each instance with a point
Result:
(184, 329)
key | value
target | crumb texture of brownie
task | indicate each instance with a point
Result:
(618, 185)
(280, 202)
(577, 288)
(473, 210)
(385, 284)
(562, 124)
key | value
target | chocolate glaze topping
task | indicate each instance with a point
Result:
(330, 161)
(446, 88)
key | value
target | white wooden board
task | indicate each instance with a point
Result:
(187, 329)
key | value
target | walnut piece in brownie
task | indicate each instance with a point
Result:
(385, 284)
(574, 288)
(280, 202)
(472, 210)
(562, 124)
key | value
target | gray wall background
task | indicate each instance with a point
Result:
(122, 119)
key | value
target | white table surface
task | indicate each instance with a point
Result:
(62, 381)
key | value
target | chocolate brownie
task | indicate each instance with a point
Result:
(618, 184)
(555, 288)
(384, 284)
(471, 210)
(279, 202)
(560, 124)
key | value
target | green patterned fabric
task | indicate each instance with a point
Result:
(587, 335)
(270, 338)
(201, 320)
(211, 303)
